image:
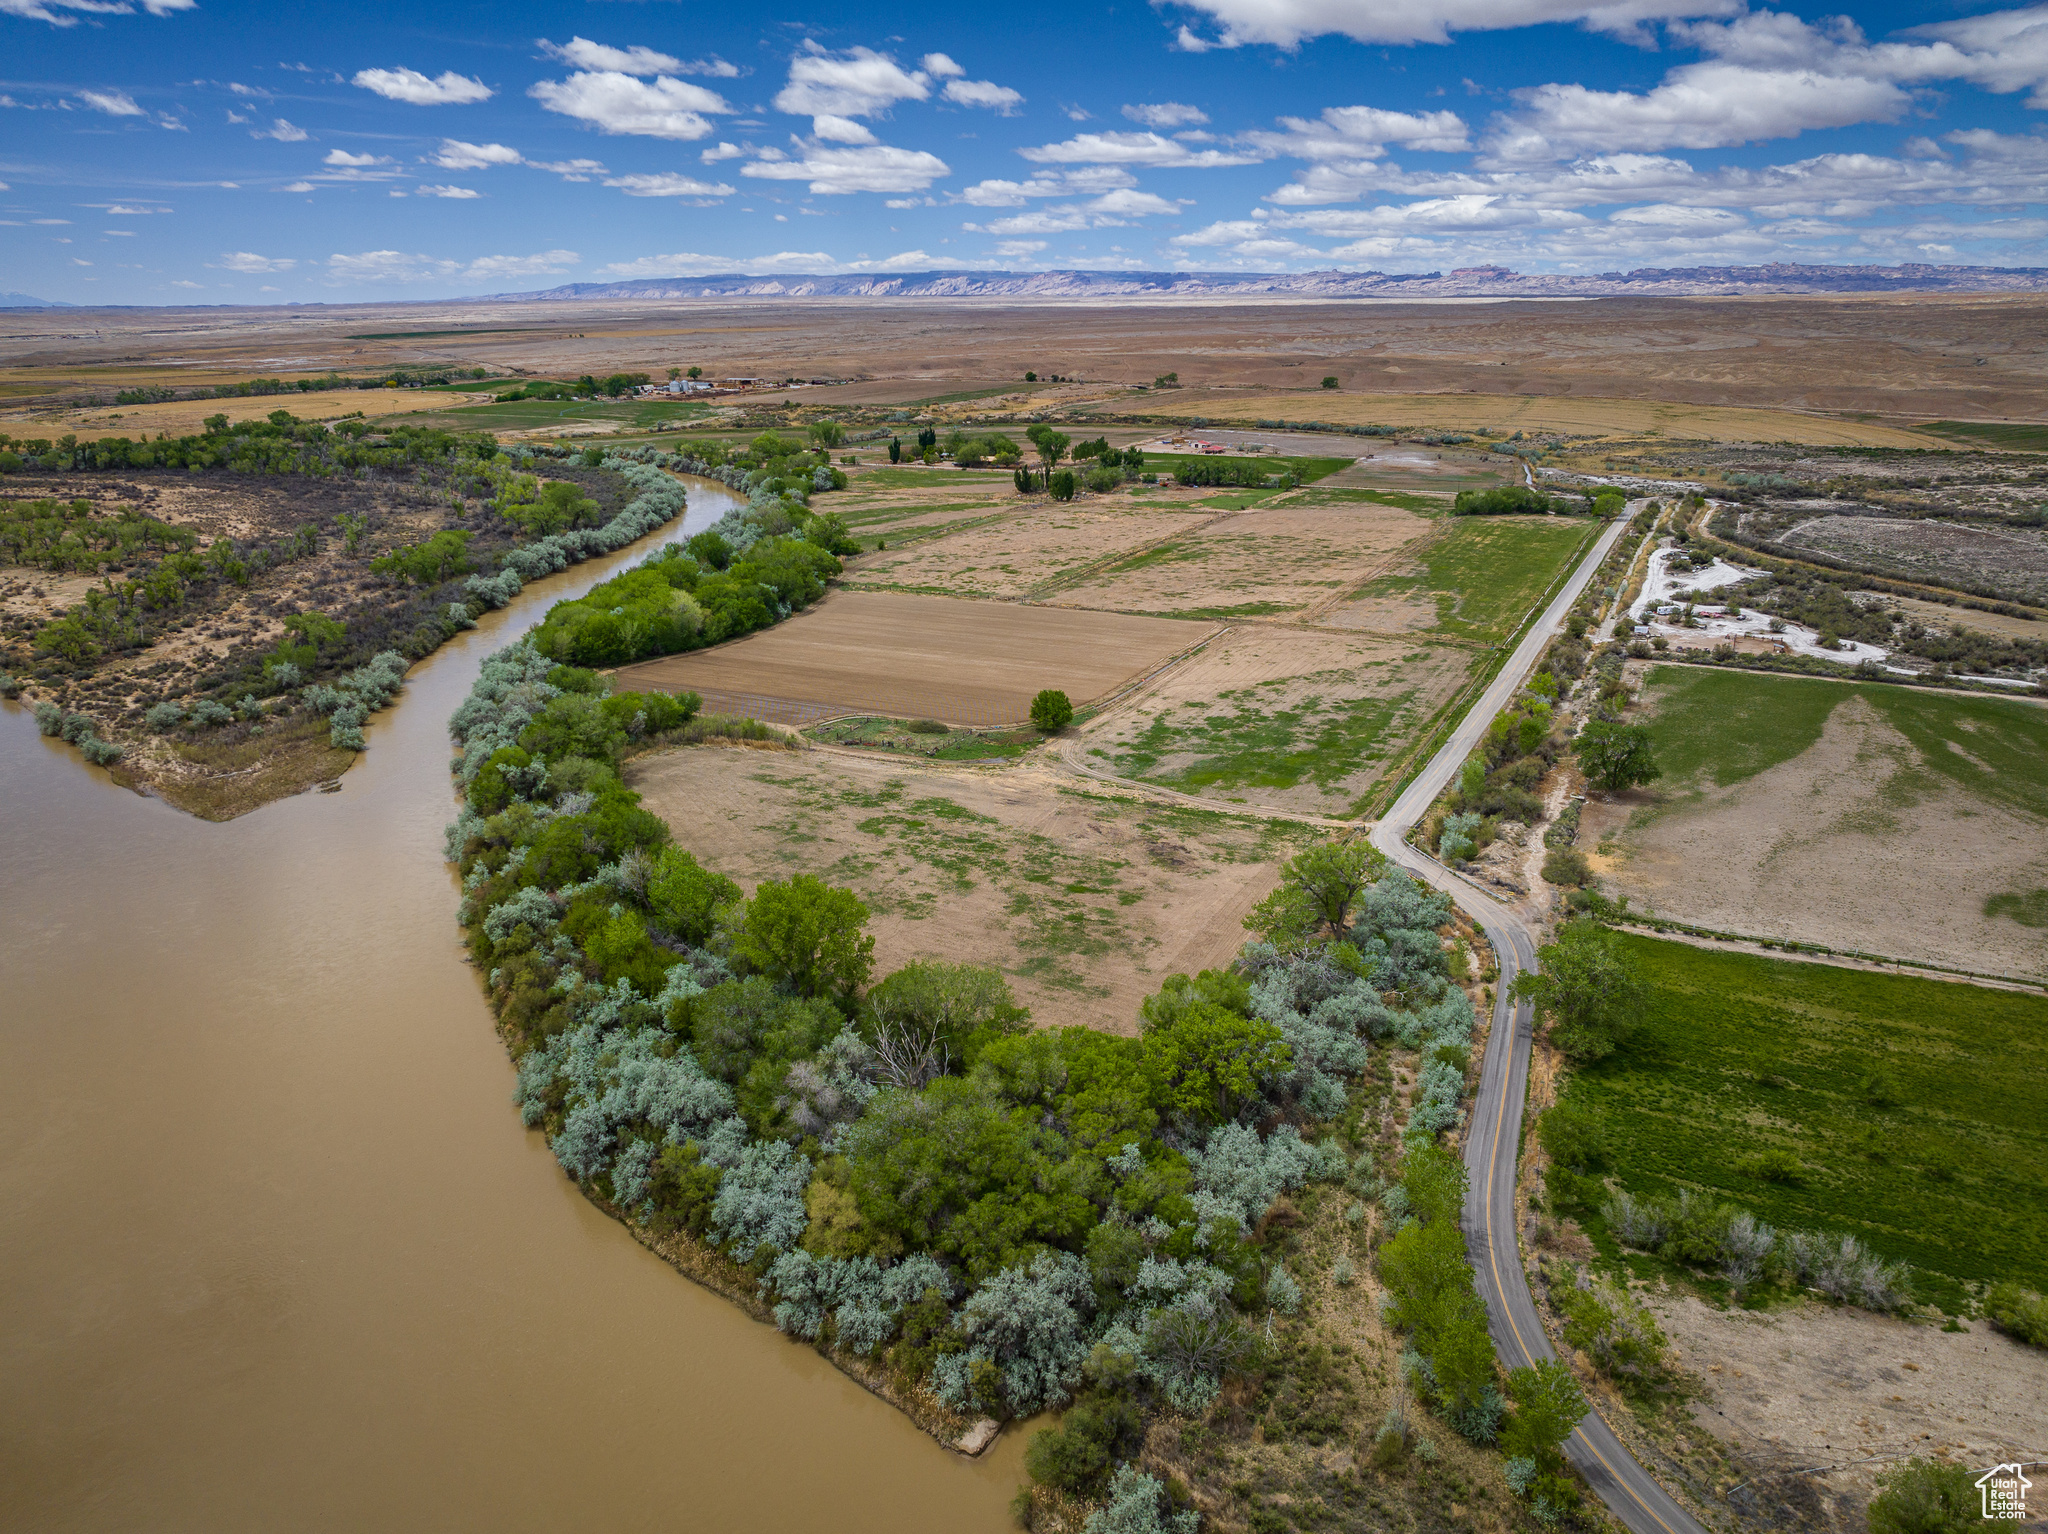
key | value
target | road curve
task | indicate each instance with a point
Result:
(1493, 1142)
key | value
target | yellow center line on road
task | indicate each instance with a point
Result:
(1493, 1261)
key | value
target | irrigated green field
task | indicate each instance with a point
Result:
(1485, 574)
(1941, 1160)
(1721, 727)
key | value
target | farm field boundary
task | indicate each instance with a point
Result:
(1868, 1082)
(966, 663)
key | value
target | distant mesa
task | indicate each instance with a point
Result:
(1465, 282)
(30, 301)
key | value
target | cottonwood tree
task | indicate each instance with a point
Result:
(1616, 756)
(806, 934)
(1051, 445)
(1590, 991)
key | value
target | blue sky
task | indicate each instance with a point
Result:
(210, 151)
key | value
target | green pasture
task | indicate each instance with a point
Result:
(2021, 437)
(1487, 573)
(1721, 727)
(1918, 1108)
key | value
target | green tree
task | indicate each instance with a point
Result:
(1213, 1059)
(827, 435)
(1930, 1496)
(1330, 381)
(1548, 1405)
(806, 934)
(686, 897)
(1050, 711)
(1616, 756)
(1051, 445)
(1318, 889)
(955, 1009)
(574, 724)
(1589, 990)
(696, 372)
(1060, 486)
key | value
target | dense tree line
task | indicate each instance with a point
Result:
(1009, 1219)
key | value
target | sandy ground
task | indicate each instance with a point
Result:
(1272, 671)
(1819, 1386)
(1534, 366)
(1937, 615)
(1087, 902)
(1258, 562)
(1375, 401)
(1028, 550)
(1811, 850)
(920, 657)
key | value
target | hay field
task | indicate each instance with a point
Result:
(922, 657)
(1022, 550)
(1289, 719)
(1740, 1054)
(1085, 901)
(1535, 413)
(1474, 578)
(1867, 817)
(1256, 563)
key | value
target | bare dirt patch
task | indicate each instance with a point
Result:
(1257, 562)
(1817, 1386)
(1290, 719)
(1086, 901)
(922, 657)
(1822, 849)
(1024, 550)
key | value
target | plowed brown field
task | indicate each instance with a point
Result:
(919, 657)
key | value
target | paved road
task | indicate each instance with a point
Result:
(1494, 1140)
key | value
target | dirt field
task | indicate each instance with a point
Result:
(1256, 562)
(921, 657)
(1087, 902)
(1575, 415)
(1304, 721)
(1849, 843)
(1440, 363)
(1820, 1386)
(2010, 561)
(1025, 550)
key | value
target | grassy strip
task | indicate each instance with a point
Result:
(1454, 710)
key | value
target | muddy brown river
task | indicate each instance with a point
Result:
(275, 1252)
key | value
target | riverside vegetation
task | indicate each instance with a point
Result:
(979, 1220)
(409, 535)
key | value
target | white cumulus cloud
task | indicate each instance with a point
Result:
(621, 103)
(409, 85)
(344, 158)
(1166, 114)
(857, 83)
(459, 193)
(249, 261)
(1288, 23)
(456, 154)
(983, 93)
(1134, 149)
(282, 131)
(668, 184)
(832, 169)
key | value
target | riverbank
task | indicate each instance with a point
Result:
(344, 1288)
(248, 622)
